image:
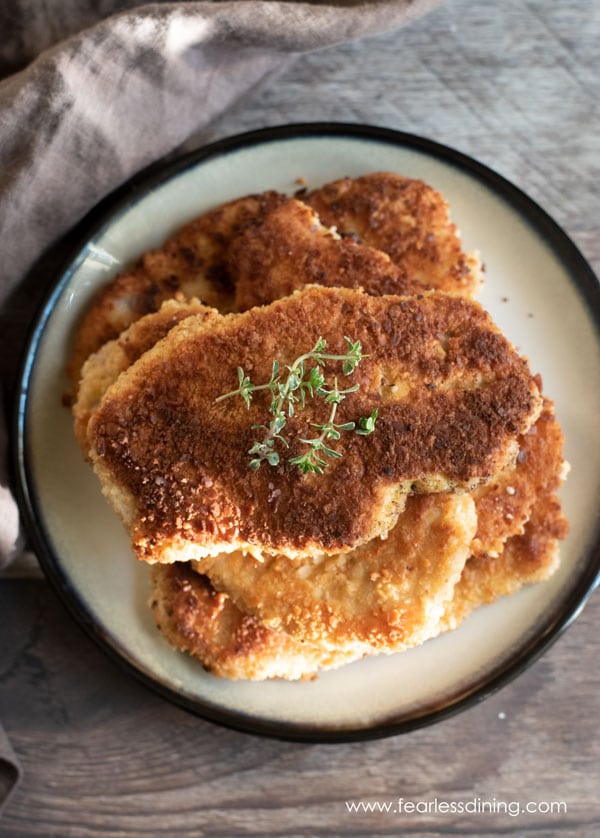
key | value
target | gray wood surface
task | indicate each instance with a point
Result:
(515, 84)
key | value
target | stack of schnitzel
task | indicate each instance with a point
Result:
(314, 433)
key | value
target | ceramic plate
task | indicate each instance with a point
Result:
(539, 290)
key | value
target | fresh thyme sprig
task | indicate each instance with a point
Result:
(312, 460)
(292, 390)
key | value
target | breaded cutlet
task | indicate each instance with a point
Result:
(103, 367)
(525, 559)
(505, 503)
(531, 551)
(405, 218)
(288, 248)
(196, 619)
(419, 245)
(205, 624)
(382, 588)
(452, 393)
(382, 597)
(190, 264)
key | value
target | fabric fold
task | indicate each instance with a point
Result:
(10, 770)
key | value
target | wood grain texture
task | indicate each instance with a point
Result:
(516, 85)
(102, 753)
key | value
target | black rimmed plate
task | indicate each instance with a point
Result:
(540, 291)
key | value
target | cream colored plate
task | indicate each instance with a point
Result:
(539, 290)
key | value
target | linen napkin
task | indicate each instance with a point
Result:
(92, 93)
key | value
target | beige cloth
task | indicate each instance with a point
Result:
(10, 771)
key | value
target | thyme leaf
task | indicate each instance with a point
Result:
(289, 388)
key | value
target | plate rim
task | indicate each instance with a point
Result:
(90, 227)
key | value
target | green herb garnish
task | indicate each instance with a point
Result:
(289, 388)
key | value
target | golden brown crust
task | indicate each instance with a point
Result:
(194, 618)
(508, 554)
(288, 248)
(453, 397)
(408, 243)
(406, 219)
(103, 367)
(384, 596)
(456, 404)
(192, 263)
(527, 558)
(504, 504)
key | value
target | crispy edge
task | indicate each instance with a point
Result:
(505, 503)
(194, 618)
(405, 218)
(531, 557)
(289, 248)
(103, 367)
(385, 596)
(191, 263)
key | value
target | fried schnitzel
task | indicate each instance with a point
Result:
(192, 263)
(453, 398)
(505, 503)
(288, 248)
(384, 596)
(405, 218)
(194, 618)
(447, 504)
(527, 558)
(103, 367)
(353, 595)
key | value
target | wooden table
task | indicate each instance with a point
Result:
(516, 85)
